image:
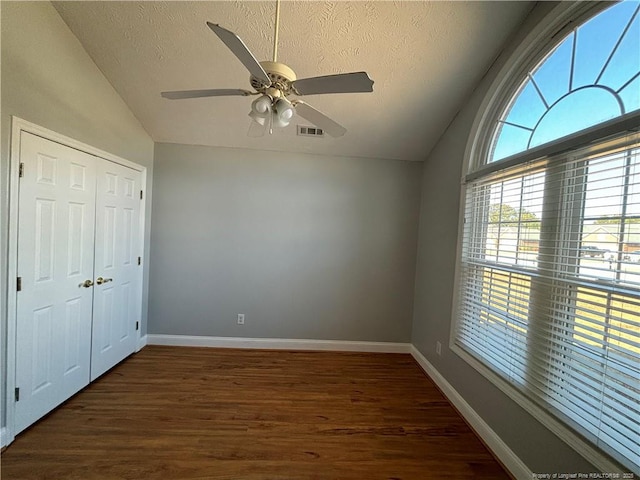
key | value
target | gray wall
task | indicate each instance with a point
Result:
(48, 79)
(306, 246)
(541, 450)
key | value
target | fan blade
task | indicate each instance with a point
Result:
(216, 92)
(319, 119)
(240, 50)
(341, 83)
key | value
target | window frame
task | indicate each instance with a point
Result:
(541, 40)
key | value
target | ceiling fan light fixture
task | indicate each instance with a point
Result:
(279, 111)
(277, 122)
(283, 112)
(261, 119)
(262, 111)
(261, 105)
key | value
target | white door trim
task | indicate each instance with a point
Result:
(19, 125)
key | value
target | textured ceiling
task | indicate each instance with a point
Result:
(425, 59)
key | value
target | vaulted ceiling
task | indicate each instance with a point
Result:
(425, 59)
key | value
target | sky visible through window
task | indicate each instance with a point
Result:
(592, 76)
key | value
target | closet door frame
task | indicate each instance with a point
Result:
(18, 126)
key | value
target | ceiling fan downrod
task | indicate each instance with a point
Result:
(275, 34)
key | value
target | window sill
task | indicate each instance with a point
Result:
(593, 455)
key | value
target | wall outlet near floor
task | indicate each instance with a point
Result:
(241, 319)
(438, 348)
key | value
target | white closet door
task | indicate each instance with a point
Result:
(117, 300)
(55, 256)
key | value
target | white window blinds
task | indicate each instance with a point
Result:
(549, 287)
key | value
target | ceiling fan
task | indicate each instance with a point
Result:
(275, 82)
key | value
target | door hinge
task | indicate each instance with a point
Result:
(137, 325)
(140, 194)
(139, 260)
(19, 284)
(21, 170)
(17, 393)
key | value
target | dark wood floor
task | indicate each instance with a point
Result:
(198, 413)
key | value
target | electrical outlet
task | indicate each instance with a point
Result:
(241, 319)
(438, 348)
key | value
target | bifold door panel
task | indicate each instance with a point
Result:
(78, 219)
(116, 294)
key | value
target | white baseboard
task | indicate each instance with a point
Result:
(278, 343)
(4, 437)
(509, 460)
(142, 342)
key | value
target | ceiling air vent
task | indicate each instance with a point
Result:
(310, 131)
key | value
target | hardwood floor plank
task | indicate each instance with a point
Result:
(202, 413)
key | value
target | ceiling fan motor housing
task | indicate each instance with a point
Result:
(281, 78)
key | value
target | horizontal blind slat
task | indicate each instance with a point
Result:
(549, 286)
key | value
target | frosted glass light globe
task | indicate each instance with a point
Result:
(261, 105)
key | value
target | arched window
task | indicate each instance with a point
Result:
(548, 289)
(590, 77)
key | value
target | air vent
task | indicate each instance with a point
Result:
(310, 131)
